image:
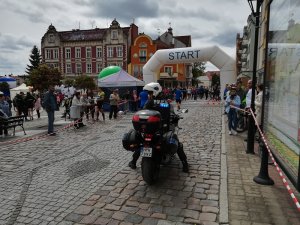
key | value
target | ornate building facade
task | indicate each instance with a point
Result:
(170, 75)
(87, 52)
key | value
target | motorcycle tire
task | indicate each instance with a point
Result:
(150, 170)
(241, 126)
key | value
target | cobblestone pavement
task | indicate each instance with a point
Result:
(81, 177)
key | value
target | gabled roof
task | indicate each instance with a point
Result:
(82, 35)
(161, 45)
(185, 40)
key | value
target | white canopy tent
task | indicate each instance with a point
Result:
(120, 79)
(17, 90)
(213, 54)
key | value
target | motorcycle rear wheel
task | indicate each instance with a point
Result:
(150, 170)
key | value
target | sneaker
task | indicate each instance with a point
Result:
(230, 133)
(234, 132)
(52, 134)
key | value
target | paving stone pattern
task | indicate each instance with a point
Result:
(251, 203)
(177, 198)
(40, 184)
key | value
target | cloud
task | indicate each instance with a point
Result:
(124, 10)
(226, 38)
(12, 43)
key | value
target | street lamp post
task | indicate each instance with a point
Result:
(251, 125)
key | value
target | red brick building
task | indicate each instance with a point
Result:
(87, 52)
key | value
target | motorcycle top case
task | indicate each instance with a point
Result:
(170, 142)
(147, 121)
(131, 140)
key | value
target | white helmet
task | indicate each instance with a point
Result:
(154, 87)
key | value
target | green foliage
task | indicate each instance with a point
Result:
(35, 60)
(44, 76)
(85, 82)
(197, 71)
(215, 80)
(68, 82)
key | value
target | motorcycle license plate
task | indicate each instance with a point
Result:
(146, 152)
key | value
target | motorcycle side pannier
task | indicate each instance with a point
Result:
(170, 142)
(131, 140)
(147, 121)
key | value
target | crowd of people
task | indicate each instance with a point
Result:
(237, 97)
(90, 104)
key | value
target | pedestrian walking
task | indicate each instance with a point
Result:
(113, 101)
(38, 106)
(50, 105)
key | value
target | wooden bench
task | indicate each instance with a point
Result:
(12, 122)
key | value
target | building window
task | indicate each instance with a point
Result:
(68, 68)
(143, 54)
(110, 51)
(120, 51)
(99, 67)
(169, 70)
(99, 52)
(78, 52)
(88, 68)
(120, 64)
(114, 34)
(55, 55)
(78, 68)
(143, 45)
(88, 52)
(48, 54)
(68, 53)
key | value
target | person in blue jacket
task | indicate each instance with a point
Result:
(232, 100)
(143, 97)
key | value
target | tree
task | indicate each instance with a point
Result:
(35, 60)
(197, 71)
(215, 80)
(44, 76)
(68, 82)
(4, 87)
(85, 82)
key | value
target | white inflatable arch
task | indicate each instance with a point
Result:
(213, 54)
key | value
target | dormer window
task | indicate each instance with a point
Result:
(114, 34)
(51, 38)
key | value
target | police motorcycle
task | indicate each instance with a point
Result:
(154, 137)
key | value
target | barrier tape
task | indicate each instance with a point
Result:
(72, 124)
(295, 200)
(277, 167)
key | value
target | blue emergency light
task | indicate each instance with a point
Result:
(164, 105)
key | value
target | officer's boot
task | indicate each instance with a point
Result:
(182, 157)
(135, 157)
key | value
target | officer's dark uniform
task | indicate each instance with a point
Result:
(182, 156)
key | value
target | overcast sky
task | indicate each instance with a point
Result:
(24, 22)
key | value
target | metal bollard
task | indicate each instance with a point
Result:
(263, 176)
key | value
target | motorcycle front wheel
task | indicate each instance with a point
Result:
(150, 170)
